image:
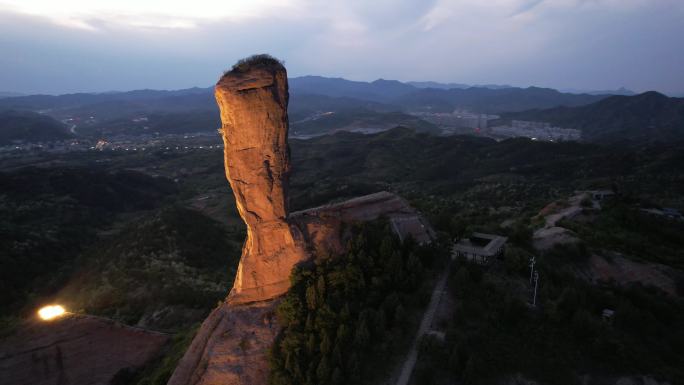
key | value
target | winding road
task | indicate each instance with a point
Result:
(424, 327)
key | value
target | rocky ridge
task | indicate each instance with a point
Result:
(232, 344)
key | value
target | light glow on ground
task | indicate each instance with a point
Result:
(51, 312)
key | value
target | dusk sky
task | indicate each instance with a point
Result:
(101, 45)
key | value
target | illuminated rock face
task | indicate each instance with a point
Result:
(253, 103)
(231, 347)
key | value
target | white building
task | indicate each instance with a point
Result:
(480, 248)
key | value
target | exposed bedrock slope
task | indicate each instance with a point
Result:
(75, 350)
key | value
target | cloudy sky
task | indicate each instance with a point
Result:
(64, 46)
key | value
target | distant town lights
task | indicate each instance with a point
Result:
(51, 312)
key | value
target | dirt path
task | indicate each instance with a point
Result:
(424, 327)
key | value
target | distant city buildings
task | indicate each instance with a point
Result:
(464, 118)
(535, 131)
(466, 122)
(458, 119)
(118, 143)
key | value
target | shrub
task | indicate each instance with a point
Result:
(255, 61)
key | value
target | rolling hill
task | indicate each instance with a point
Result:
(649, 116)
(9, 94)
(447, 86)
(18, 126)
(360, 119)
(491, 100)
(194, 109)
(378, 91)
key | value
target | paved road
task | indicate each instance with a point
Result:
(424, 327)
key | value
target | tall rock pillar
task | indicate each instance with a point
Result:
(253, 101)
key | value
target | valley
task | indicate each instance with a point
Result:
(461, 183)
(143, 229)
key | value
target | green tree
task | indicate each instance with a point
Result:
(311, 297)
(362, 336)
(311, 344)
(326, 344)
(323, 371)
(337, 377)
(320, 288)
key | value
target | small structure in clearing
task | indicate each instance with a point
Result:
(597, 195)
(607, 315)
(479, 248)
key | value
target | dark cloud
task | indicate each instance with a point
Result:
(596, 44)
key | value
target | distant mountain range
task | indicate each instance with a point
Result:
(4, 94)
(379, 90)
(491, 99)
(620, 91)
(322, 105)
(448, 86)
(646, 117)
(190, 98)
(391, 93)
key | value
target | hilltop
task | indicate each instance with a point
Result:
(646, 117)
(318, 105)
(29, 126)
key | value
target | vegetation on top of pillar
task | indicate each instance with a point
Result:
(254, 61)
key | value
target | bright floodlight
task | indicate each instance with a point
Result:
(51, 312)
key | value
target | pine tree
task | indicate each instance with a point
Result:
(337, 377)
(320, 288)
(323, 371)
(311, 297)
(362, 336)
(337, 356)
(380, 321)
(343, 335)
(326, 344)
(345, 313)
(353, 368)
(309, 326)
(311, 344)
(414, 268)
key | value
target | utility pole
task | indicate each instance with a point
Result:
(532, 261)
(536, 283)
